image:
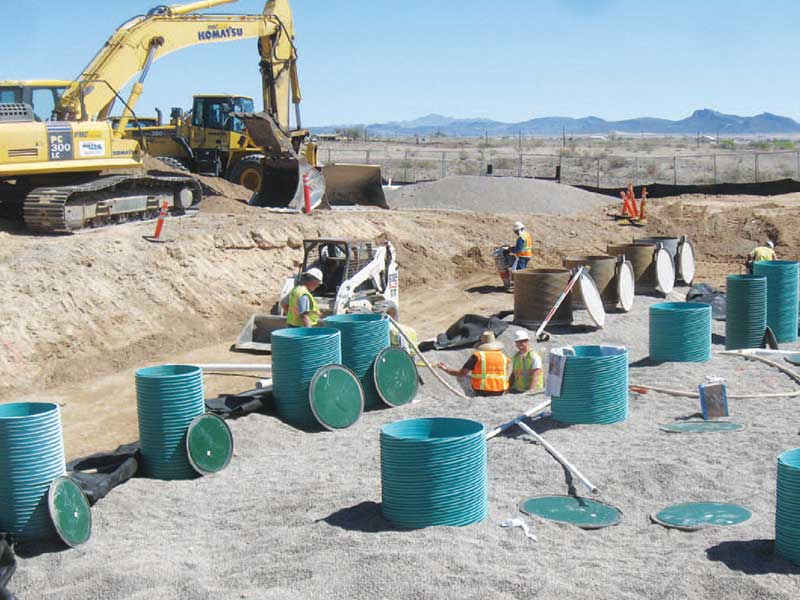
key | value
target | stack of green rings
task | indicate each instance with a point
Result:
(680, 332)
(363, 337)
(297, 354)
(787, 509)
(745, 311)
(782, 282)
(433, 472)
(594, 386)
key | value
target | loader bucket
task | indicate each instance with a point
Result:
(257, 332)
(351, 185)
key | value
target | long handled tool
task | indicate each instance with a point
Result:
(414, 347)
(540, 335)
(555, 453)
(528, 413)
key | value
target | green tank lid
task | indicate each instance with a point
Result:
(336, 397)
(69, 511)
(702, 427)
(209, 444)
(581, 512)
(692, 516)
(396, 377)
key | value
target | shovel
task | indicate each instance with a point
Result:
(541, 336)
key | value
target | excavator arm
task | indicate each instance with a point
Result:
(137, 44)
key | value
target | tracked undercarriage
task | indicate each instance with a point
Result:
(105, 200)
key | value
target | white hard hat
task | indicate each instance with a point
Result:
(770, 243)
(520, 335)
(518, 225)
(315, 273)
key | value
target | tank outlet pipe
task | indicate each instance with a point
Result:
(528, 413)
(555, 453)
(265, 385)
(234, 368)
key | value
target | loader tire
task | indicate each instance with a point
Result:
(174, 163)
(247, 172)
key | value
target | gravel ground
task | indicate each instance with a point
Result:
(496, 195)
(297, 515)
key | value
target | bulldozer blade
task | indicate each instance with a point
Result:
(354, 185)
(257, 332)
(282, 184)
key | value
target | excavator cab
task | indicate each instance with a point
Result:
(42, 95)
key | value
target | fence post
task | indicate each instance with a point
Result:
(405, 166)
(598, 173)
(329, 155)
(674, 170)
(635, 169)
(519, 167)
(444, 165)
(414, 169)
(798, 166)
(366, 161)
(716, 181)
(755, 165)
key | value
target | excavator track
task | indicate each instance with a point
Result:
(106, 200)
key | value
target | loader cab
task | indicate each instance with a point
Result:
(41, 95)
(214, 112)
(338, 260)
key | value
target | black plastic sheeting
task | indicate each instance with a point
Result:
(110, 470)
(8, 564)
(466, 332)
(702, 293)
(661, 190)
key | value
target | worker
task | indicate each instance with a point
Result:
(390, 308)
(523, 248)
(487, 368)
(761, 253)
(300, 305)
(526, 365)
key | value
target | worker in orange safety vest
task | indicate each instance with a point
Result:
(487, 368)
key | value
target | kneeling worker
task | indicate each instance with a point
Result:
(390, 308)
(487, 367)
(300, 305)
(526, 365)
(760, 253)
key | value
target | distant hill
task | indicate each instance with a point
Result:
(705, 121)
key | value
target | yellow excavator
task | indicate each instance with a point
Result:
(57, 165)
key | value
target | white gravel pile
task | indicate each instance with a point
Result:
(496, 195)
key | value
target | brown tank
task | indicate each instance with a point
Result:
(535, 293)
(602, 269)
(641, 257)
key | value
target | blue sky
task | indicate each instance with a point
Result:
(366, 62)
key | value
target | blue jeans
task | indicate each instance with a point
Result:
(522, 263)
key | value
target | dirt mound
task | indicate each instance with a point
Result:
(212, 186)
(497, 195)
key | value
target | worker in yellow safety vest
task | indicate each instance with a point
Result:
(526, 365)
(487, 368)
(300, 305)
(761, 253)
(523, 247)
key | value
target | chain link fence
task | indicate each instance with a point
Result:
(603, 171)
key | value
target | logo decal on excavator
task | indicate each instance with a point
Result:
(214, 32)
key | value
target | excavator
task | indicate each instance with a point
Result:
(71, 168)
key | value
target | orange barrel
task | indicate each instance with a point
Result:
(602, 269)
(642, 257)
(535, 293)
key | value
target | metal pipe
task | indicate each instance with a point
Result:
(264, 385)
(528, 413)
(182, 9)
(234, 368)
(567, 465)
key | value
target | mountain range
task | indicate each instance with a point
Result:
(705, 121)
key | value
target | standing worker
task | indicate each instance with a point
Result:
(523, 248)
(487, 367)
(761, 253)
(526, 365)
(300, 305)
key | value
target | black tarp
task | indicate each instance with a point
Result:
(706, 294)
(661, 190)
(466, 332)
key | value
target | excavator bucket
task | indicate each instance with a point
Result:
(283, 171)
(351, 185)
